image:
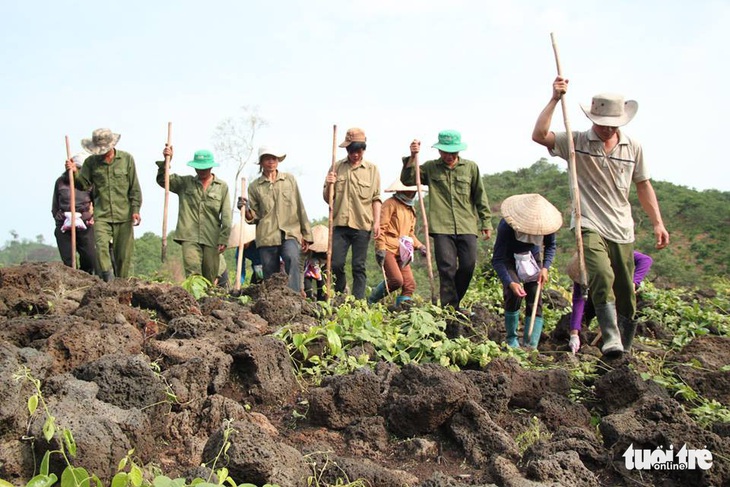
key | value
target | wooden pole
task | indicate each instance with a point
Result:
(72, 189)
(534, 304)
(163, 256)
(331, 196)
(414, 161)
(239, 260)
(574, 189)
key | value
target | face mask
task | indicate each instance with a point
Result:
(404, 199)
(526, 238)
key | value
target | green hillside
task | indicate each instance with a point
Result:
(697, 221)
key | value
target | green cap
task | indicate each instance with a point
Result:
(449, 141)
(203, 159)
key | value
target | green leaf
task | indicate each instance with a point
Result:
(33, 403)
(162, 481)
(42, 481)
(5, 483)
(68, 438)
(122, 463)
(74, 477)
(120, 479)
(45, 462)
(49, 428)
(135, 476)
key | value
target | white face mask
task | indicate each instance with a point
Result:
(526, 238)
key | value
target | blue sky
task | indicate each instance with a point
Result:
(400, 69)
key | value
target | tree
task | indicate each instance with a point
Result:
(233, 140)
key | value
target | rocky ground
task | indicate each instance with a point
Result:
(91, 345)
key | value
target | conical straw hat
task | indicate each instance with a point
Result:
(531, 214)
(321, 235)
(249, 234)
(398, 186)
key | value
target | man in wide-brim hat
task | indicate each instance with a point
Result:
(523, 253)
(607, 161)
(276, 207)
(396, 243)
(117, 200)
(458, 212)
(204, 213)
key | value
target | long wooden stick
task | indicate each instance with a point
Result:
(239, 260)
(534, 304)
(163, 256)
(574, 189)
(331, 195)
(414, 161)
(72, 189)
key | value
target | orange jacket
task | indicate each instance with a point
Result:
(396, 220)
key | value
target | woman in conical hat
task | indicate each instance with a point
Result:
(395, 245)
(529, 223)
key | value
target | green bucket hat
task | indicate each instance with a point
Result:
(449, 141)
(203, 159)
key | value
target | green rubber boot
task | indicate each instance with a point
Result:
(608, 322)
(378, 293)
(511, 322)
(534, 339)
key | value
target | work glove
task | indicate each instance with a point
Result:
(380, 257)
(422, 251)
(241, 202)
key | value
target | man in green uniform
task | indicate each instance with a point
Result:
(204, 214)
(117, 200)
(282, 225)
(458, 211)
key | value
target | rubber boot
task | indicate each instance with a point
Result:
(628, 330)
(608, 322)
(403, 301)
(511, 322)
(378, 293)
(107, 276)
(534, 339)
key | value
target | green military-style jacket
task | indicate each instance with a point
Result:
(457, 202)
(203, 216)
(117, 192)
(278, 208)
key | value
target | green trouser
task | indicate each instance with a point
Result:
(200, 259)
(610, 268)
(122, 237)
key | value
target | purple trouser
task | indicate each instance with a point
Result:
(642, 265)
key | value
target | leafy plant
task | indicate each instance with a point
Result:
(196, 285)
(534, 433)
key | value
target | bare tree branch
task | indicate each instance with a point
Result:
(233, 140)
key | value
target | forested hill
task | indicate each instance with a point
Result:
(698, 221)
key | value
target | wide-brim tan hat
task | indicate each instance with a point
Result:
(249, 234)
(266, 150)
(321, 236)
(398, 186)
(101, 141)
(531, 214)
(610, 110)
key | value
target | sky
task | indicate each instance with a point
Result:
(400, 69)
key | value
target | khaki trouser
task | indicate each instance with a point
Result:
(122, 237)
(610, 268)
(200, 259)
